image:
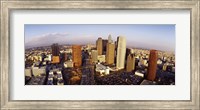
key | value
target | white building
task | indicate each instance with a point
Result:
(132, 51)
(143, 62)
(164, 58)
(110, 39)
(139, 73)
(44, 63)
(159, 61)
(69, 64)
(107, 71)
(102, 69)
(49, 57)
(121, 52)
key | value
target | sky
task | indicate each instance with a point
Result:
(147, 36)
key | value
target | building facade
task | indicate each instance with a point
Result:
(110, 53)
(152, 66)
(55, 53)
(76, 55)
(99, 45)
(55, 50)
(94, 55)
(104, 44)
(110, 39)
(64, 57)
(56, 59)
(130, 66)
(121, 52)
(101, 58)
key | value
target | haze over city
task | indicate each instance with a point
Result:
(94, 54)
(147, 36)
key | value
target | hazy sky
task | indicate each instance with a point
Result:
(160, 37)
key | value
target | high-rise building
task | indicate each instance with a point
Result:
(64, 56)
(99, 45)
(130, 66)
(128, 51)
(110, 53)
(94, 55)
(76, 55)
(104, 44)
(152, 66)
(55, 49)
(56, 59)
(55, 53)
(121, 52)
(110, 39)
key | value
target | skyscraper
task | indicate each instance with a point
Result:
(104, 44)
(64, 56)
(130, 63)
(128, 51)
(55, 53)
(76, 55)
(152, 66)
(110, 39)
(110, 53)
(121, 52)
(55, 50)
(99, 45)
(94, 55)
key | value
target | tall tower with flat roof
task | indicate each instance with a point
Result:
(121, 52)
(76, 55)
(152, 66)
(94, 55)
(55, 49)
(55, 53)
(99, 45)
(110, 53)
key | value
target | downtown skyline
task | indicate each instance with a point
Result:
(147, 36)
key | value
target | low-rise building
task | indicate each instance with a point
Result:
(101, 58)
(38, 71)
(69, 64)
(140, 73)
(28, 72)
(102, 69)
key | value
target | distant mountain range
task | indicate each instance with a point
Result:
(67, 39)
